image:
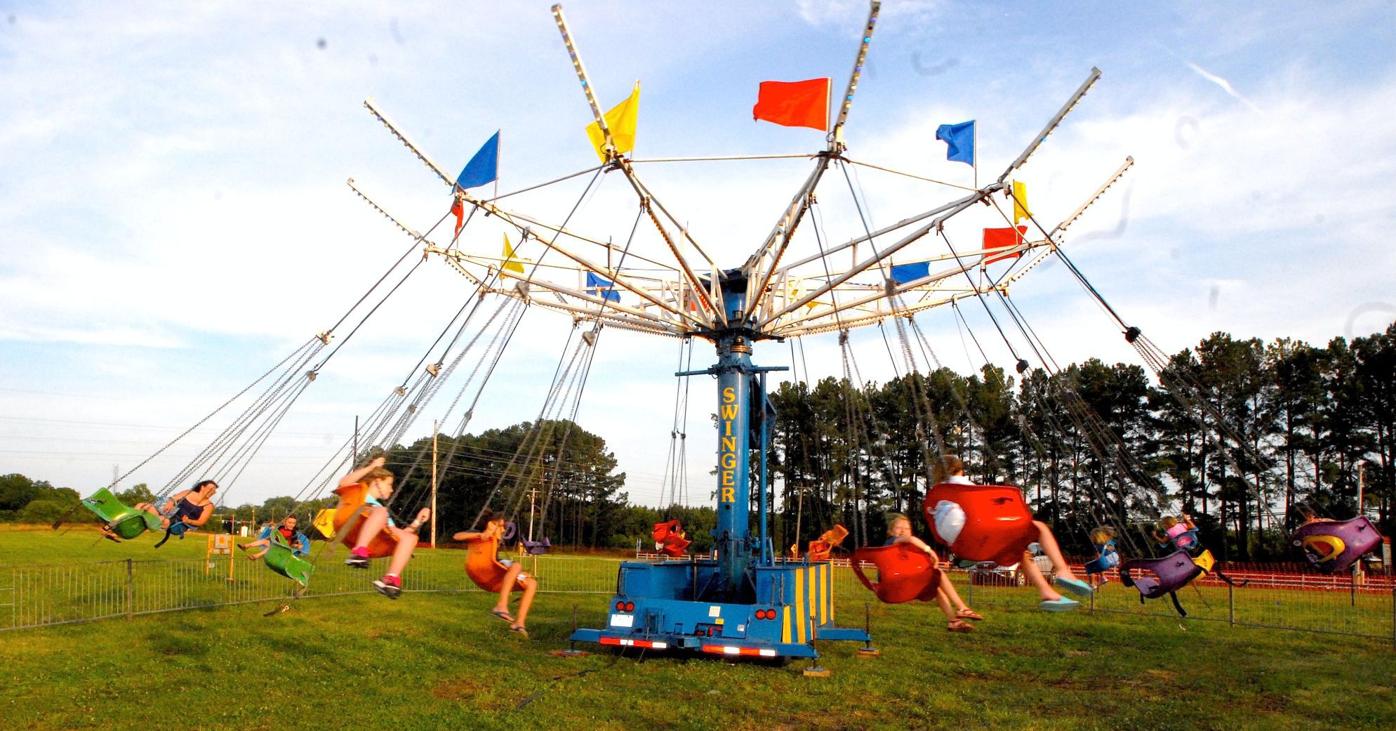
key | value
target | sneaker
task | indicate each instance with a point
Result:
(389, 586)
(1061, 604)
(358, 559)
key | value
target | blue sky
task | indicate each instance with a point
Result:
(175, 220)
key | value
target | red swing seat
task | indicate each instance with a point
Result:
(483, 568)
(998, 524)
(669, 538)
(904, 573)
(350, 507)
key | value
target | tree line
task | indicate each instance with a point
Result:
(1266, 428)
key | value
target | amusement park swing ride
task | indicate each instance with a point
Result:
(745, 600)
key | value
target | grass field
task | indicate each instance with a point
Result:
(434, 659)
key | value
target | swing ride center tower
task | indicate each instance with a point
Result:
(744, 600)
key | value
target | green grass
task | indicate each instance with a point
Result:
(437, 659)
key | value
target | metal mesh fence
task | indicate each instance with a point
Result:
(35, 596)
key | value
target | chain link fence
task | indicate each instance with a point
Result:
(37, 596)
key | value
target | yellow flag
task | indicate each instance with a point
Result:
(510, 263)
(1020, 201)
(621, 120)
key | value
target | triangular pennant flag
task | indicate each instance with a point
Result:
(510, 263)
(458, 210)
(1019, 195)
(903, 273)
(796, 288)
(1003, 238)
(959, 141)
(621, 121)
(794, 103)
(603, 287)
(483, 167)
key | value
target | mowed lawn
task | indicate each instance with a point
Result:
(438, 659)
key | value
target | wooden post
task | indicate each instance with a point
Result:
(434, 429)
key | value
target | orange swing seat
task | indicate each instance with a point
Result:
(483, 568)
(823, 547)
(350, 507)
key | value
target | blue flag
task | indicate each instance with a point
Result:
(484, 167)
(903, 273)
(959, 139)
(603, 287)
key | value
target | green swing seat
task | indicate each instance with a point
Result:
(125, 522)
(282, 559)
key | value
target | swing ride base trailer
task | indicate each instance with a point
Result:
(791, 604)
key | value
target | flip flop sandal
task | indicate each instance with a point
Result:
(519, 630)
(1076, 586)
(959, 625)
(507, 617)
(969, 614)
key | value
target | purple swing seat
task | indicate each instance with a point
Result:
(1170, 573)
(1346, 541)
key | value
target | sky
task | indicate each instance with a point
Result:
(174, 217)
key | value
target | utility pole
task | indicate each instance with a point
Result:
(531, 493)
(354, 460)
(434, 430)
(1361, 480)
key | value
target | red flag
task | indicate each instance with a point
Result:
(794, 103)
(1002, 238)
(458, 209)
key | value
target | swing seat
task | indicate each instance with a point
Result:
(177, 529)
(284, 560)
(351, 502)
(125, 522)
(1101, 564)
(904, 573)
(821, 548)
(997, 522)
(1205, 560)
(537, 548)
(483, 568)
(1333, 546)
(324, 522)
(1164, 575)
(669, 538)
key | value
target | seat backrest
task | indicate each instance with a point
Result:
(1332, 546)
(1168, 574)
(351, 508)
(481, 565)
(998, 524)
(904, 572)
